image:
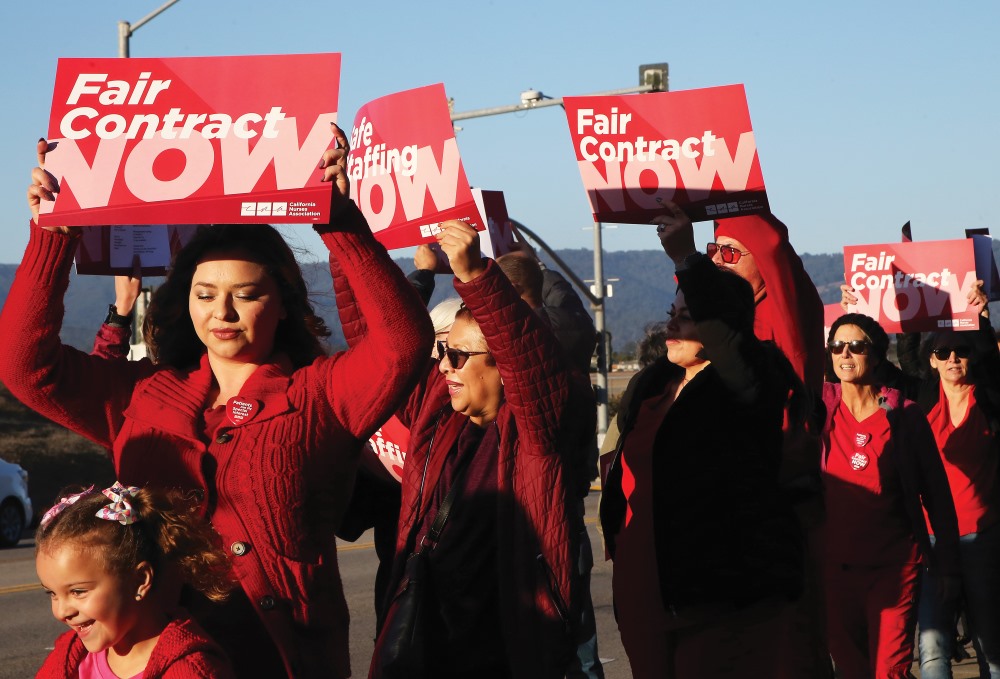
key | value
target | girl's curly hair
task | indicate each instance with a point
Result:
(169, 533)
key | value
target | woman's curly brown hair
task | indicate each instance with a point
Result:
(169, 533)
(168, 331)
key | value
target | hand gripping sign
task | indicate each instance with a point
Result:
(695, 148)
(496, 239)
(406, 173)
(914, 287)
(192, 140)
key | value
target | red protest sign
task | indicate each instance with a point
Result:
(390, 444)
(406, 173)
(192, 140)
(695, 148)
(496, 239)
(113, 250)
(914, 287)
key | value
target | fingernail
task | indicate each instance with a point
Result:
(41, 139)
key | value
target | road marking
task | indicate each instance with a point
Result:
(350, 547)
(13, 589)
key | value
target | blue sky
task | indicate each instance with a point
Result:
(866, 114)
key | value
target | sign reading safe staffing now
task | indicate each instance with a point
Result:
(914, 287)
(406, 173)
(192, 140)
(694, 147)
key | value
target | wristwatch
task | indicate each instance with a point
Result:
(117, 320)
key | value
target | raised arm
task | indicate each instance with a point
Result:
(368, 381)
(84, 393)
(722, 318)
(536, 379)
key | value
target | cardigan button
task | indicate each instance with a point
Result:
(239, 548)
(266, 603)
(224, 438)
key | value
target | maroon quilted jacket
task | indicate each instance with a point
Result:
(540, 427)
(183, 651)
(277, 485)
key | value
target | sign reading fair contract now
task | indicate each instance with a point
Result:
(914, 287)
(695, 148)
(192, 140)
(406, 174)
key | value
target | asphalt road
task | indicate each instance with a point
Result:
(27, 628)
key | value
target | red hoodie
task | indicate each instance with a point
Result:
(791, 312)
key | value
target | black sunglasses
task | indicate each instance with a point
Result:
(859, 347)
(730, 255)
(456, 357)
(944, 353)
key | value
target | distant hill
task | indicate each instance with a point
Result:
(642, 294)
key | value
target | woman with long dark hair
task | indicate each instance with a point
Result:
(240, 407)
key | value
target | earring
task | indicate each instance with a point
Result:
(138, 597)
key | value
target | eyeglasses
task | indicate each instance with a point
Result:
(730, 255)
(944, 353)
(456, 357)
(859, 347)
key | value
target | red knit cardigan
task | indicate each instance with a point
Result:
(183, 651)
(280, 482)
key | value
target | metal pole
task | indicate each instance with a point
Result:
(124, 32)
(542, 103)
(570, 274)
(602, 353)
(125, 29)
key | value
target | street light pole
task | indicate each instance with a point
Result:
(652, 78)
(125, 29)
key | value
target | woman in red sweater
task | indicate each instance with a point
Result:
(240, 407)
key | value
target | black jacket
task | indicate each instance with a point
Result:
(723, 531)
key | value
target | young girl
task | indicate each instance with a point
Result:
(104, 559)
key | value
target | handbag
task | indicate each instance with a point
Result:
(400, 650)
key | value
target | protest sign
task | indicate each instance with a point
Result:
(695, 148)
(913, 287)
(406, 173)
(986, 264)
(390, 444)
(192, 140)
(112, 250)
(496, 239)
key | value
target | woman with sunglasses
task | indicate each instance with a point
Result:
(496, 421)
(958, 388)
(707, 552)
(881, 472)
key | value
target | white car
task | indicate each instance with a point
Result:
(15, 505)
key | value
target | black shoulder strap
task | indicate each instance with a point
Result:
(434, 533)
